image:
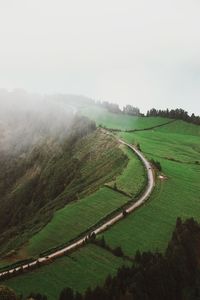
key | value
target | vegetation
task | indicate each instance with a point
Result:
(74, 219)
(177, 195)
(77, 217)
(114, 108)
(180, 128)
(178, 114)
(95, 160)
(153, 276)
(49, 176)
(131, 110)
(120, 121)
(7, 294)
(156, 164)
(84, 268)
(133, 179)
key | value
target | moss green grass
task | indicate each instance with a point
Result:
(150, 227)
(75, 218)
(84, 268)
(133, 178)
(119, 121)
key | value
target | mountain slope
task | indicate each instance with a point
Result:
(47, 176)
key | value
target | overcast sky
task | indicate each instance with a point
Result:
(142, 52)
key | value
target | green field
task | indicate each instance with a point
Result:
(151, 226)
(133, 178)
(86, 267)
(181, 127)
(119, 121)
(75, 218)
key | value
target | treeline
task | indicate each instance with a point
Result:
(178, 114)
(114, 108)
(174, 275)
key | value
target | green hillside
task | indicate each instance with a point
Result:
(177, 147)
(74, 219)
(178, 195)
(133, 178)
(51, 175)
(181, 127)
(82, 269)
(119, 121)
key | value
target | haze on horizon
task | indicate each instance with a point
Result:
(146, 53)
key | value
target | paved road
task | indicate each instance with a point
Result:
(144, 197)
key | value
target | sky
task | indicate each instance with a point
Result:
(146, 53)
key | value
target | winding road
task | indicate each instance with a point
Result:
(143, 198)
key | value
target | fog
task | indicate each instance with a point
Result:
(146, 53)
(28, 119)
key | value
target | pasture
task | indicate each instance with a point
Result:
(87, 267)
(120, 121)
(150, 227)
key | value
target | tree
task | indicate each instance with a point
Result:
(131, 110)
(177, 113)
(78, 296)
(7, 294)
(118, 251)
(156, 164)
(124, 213)
(66, 294)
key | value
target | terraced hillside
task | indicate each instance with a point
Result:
(176, 194)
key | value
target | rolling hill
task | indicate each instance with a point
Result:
(175, 144)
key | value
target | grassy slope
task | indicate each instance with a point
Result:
(86, 267)
(133, 178)
(181, 127)
(100, 159)
(97, 266)
(75, 218)
(111, 120)
(151, 226)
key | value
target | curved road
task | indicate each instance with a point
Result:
(144, 197)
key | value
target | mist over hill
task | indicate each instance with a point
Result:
(48, 154)
(26, 120)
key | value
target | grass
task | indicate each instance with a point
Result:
(119, 121)
(48, 177)
(100, 159)
(183, 148)
(84, 268)
(181, 127)
(75, 218)
(133, 178)
(151, 226)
